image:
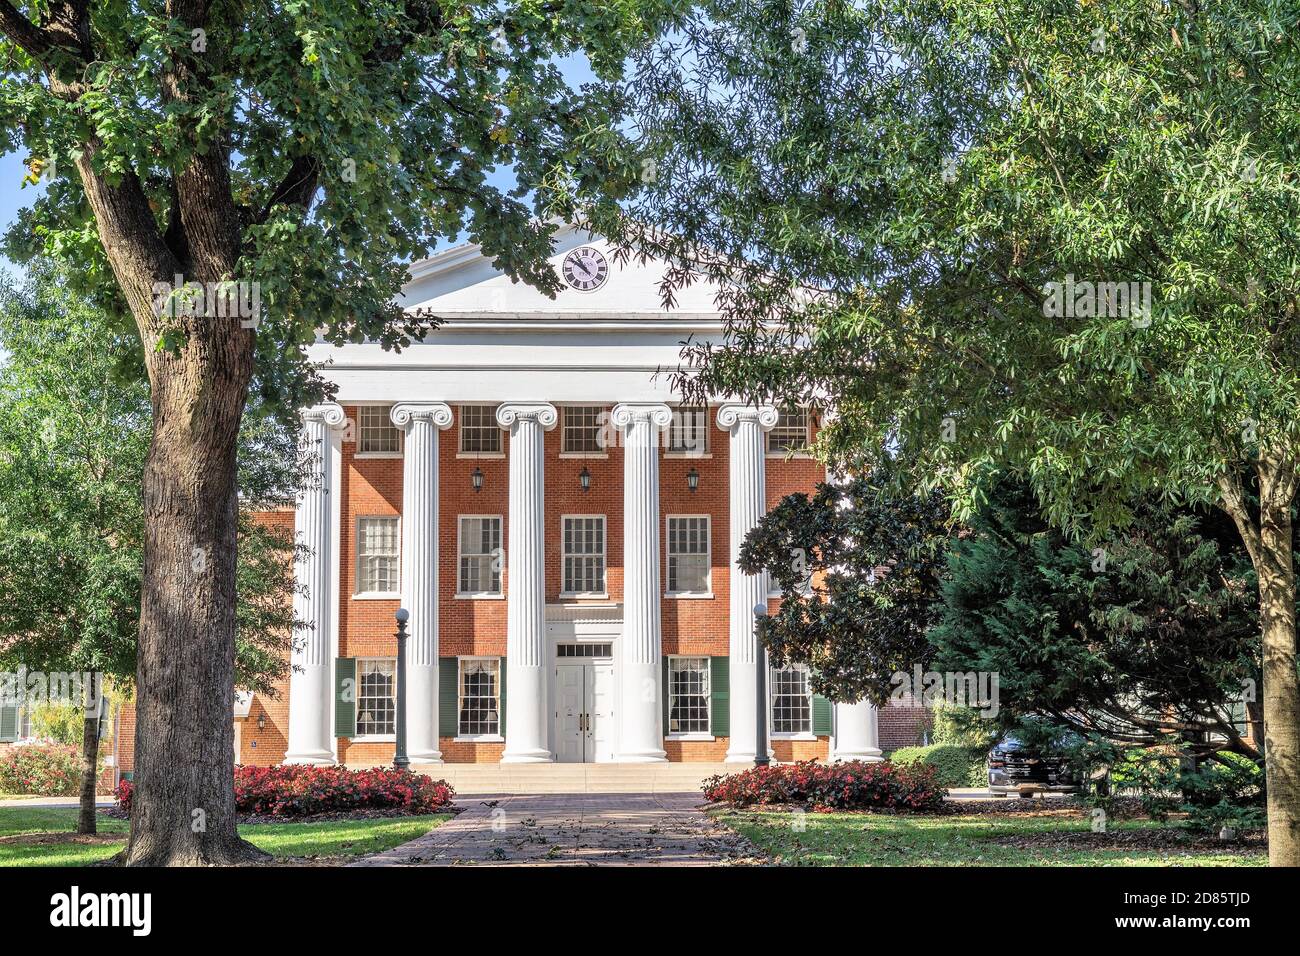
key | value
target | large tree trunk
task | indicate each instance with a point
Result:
(1281, 690)
(89, 763)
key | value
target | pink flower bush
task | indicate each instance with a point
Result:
(294, 790)
(841, 786)
(50, 770)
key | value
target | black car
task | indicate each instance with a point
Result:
(1016, 768)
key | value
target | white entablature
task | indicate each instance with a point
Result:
(505, 341)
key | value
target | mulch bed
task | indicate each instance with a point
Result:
(37, 839)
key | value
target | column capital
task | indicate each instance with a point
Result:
(437, 414)
(329, 413)
(626, 414)
(541, 412)
(730, 417)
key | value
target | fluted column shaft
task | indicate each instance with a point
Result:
(639, 649)
(526, 724)
(311, 738)
(857, 732)
(747, 425)
(421, 422)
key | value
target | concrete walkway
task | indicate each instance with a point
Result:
(574, 829)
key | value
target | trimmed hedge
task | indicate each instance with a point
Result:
(953, 766)
(841, 786)
(295, 790)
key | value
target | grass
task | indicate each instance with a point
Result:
(846, 839)
(41, 836)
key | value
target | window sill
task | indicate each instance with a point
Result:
(782, 456)
(802, 735)
(480, 739)
(375, 739)
(363, 455)
(688, 596)
(572, 596)
(699, 738)
(597, 455)
(686, 455)
(377, 596)
(480, 454)
(479, 597)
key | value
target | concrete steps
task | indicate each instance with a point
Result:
(491, 778)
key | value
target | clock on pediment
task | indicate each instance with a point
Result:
(585, 269)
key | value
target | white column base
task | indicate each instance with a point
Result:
(421, 714)
(645, 756)
(528, 756)
(866, 756)
(316, 759)
(857, 733)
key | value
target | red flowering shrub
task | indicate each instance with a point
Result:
(295, 790)
(50, 770)
(838, 786)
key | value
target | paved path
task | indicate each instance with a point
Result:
(574, 829)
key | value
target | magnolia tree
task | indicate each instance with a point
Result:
(240, 179)
(1049, 236)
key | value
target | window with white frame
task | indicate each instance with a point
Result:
(479, 697)
(791, 700)
(377, 556)
(480, 555)
(376, 707)
(688, 554)
(582, 429)
(479, 431)
(689, 432)
(688, 695)
(376, 433)
(790, 434)
(584, 555)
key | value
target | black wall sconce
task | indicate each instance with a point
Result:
(261, 721)
(476, 479)
(692, 480)
(584, 479)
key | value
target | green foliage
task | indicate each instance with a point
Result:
(954, 766)
(1226, 789)
(47, 770)
(963, 727)
(858, 565)
(74, 432)
(61, 723)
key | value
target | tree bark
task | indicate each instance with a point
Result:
(89, 762)
(1281, 690)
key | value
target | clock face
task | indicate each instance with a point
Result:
(585, 269)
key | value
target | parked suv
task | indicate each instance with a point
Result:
(1015, 768)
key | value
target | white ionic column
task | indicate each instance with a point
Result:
(747, 487)
(639, 649)
(526, 663)
(311, 736)
(421, 421)
(857, 733)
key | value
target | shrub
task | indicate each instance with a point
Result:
(1228, 791)
(963, 727)
(953, 766)
(60, 723)
(294, 790)
(841, 786)
(49, 770)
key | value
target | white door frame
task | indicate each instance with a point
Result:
(583, 624)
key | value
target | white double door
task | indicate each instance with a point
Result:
(584, 715)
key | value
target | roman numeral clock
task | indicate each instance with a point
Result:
(585, 269)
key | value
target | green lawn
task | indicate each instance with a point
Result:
(41, 836)
(846, 839)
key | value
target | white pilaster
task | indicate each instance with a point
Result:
(421, 421)
(526, 712)
(311, 736)
(747, 426)
(640, 648)
(857, 733)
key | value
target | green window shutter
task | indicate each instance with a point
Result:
(448, 696)
(345, 696)
(8, 721)
(501, 699)
(720, 696)
(821, 708)
(664, 682)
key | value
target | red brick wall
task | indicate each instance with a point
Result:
(903, 724)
